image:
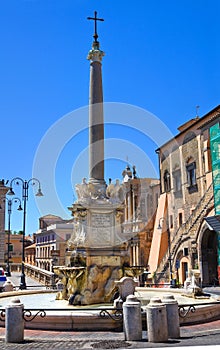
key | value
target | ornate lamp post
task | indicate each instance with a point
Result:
(169, 248)
(25, 186)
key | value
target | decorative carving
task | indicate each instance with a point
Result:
(95, 55)
(82, 190)
(89, 192)
(126, 287)
(97, 191)
(78, 237)
(116, 193)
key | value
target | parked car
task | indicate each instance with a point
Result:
(3, 279)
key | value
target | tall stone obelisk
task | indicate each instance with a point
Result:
(96, 119)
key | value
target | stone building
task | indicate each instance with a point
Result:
(139, 213)
(15, 249)
(182, 239)
(30, 254)
(51, 241)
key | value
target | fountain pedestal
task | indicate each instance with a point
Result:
(97, 250)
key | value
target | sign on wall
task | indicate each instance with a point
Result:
(215, 156)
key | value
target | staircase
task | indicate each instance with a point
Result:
(186, 231)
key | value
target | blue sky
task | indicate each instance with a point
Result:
(161, 57)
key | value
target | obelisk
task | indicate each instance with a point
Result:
(96, 119)
(97, 255)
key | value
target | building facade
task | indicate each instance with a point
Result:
(182, 240)
(51, 241)
(140, 206)
(30, 254)
(15, 249)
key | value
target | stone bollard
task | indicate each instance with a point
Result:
(132, 320)
(8, 286)
(14, 322)
(173, 322)
(157, 329)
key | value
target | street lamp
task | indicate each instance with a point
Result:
(25, 186)
(169, 248)
(10, 201)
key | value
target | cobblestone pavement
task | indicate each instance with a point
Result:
(201, 336)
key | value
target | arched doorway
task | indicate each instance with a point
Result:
(182, 267)
(209, 258)
(183, 270)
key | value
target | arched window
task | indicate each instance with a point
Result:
(166, 179)
(188, 137)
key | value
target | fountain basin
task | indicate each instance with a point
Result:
(62, 316)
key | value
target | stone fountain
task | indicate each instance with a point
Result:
(191, 284)
(97, 251)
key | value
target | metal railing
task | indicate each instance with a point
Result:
(30, 314)
(185, 309)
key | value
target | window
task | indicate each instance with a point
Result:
(191, 174)
(185, 251)
(11, 247)
(177, 181)
(171, 221)
(166, 179)
(143, 208)
(180, 219)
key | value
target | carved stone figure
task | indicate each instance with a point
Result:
(116, 193)
(82, 190)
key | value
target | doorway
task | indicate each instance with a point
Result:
(184, 270)
(209, 255)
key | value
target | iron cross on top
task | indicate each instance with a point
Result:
(95, 18)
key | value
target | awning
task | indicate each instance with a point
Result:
(213, 223)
